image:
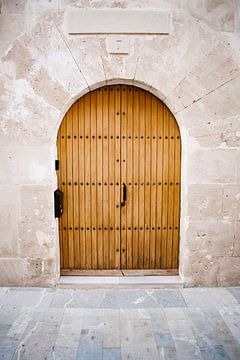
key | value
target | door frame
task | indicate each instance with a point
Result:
(183, 135)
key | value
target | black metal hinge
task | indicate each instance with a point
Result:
(56, 165)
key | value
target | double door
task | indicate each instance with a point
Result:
(119, 151)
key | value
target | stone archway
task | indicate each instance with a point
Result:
(119, 136)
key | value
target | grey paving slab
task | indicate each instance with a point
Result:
(111, 328)
(78, 298)
(54, 315)
(235, 291)
(208, 297)
(145, 298)
(60, 353)
(184, 340)
(112, 354)
(7, 352)
(139, 324)
(23, 297)
(223, 333)
(231, 316)
(37, 341)
(214, 353)
(90, 345)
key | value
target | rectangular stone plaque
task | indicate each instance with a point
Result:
(117, 22)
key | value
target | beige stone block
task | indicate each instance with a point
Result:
(208, 74)
(36, 239)
(165, 60)
(14, 6)
(204, 202)
(210, 239)
(85, 50)
(223, 132)
(39, 273)
(26, 119)
(10, 204)
(220, 104)
(229, 271)
(213, 166)
(37, 204)
(9, 240)
(12, 26)
(49, 51)
(231, 202)
(218, 14)
(237, 239)
(238, 166)
(120, 66)
(139, 4)
(26, 165)
(12, 271)
(199, 271)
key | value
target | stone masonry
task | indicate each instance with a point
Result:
(195, 71)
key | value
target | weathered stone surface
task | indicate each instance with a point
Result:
(30, 165)
(34, 203)
(237, 239)
(200, 271)
(35, 239)
(205, 202)
(12, 271)
(229, 271)
(219, 14)
(219, 168)
(10, 204)
(231, 202)
(211, 239)
(224, 133)
(9, 246)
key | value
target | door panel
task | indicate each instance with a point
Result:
(115, 136)
(89, 176)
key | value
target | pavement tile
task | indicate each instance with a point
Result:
(109, 324)
(235, 291)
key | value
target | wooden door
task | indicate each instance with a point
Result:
(115, 137)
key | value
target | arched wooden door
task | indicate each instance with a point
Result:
(119, 151)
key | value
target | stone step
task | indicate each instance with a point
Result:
(120, 281)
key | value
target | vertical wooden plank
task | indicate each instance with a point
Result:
(159, 231)
(123, 176)
(88, 210)
(105, 178)
(75, 139)
(170, 191)
(177, 195)
(153, 183)
(70, 187)
(65, 192)
(99, 179)
(111, 177)
(117, 172)
(82, 185)
(147, 191)
(132, 188)
(165, 188)
(60, 186)
(142, 159)
(93, 184)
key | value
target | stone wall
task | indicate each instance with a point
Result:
(195, 70)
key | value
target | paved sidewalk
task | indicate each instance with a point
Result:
(109, 324)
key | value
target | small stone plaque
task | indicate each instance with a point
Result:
(117, 45)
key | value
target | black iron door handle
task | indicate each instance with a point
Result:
(124, 195)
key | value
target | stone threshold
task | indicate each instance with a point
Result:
(120, 282)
